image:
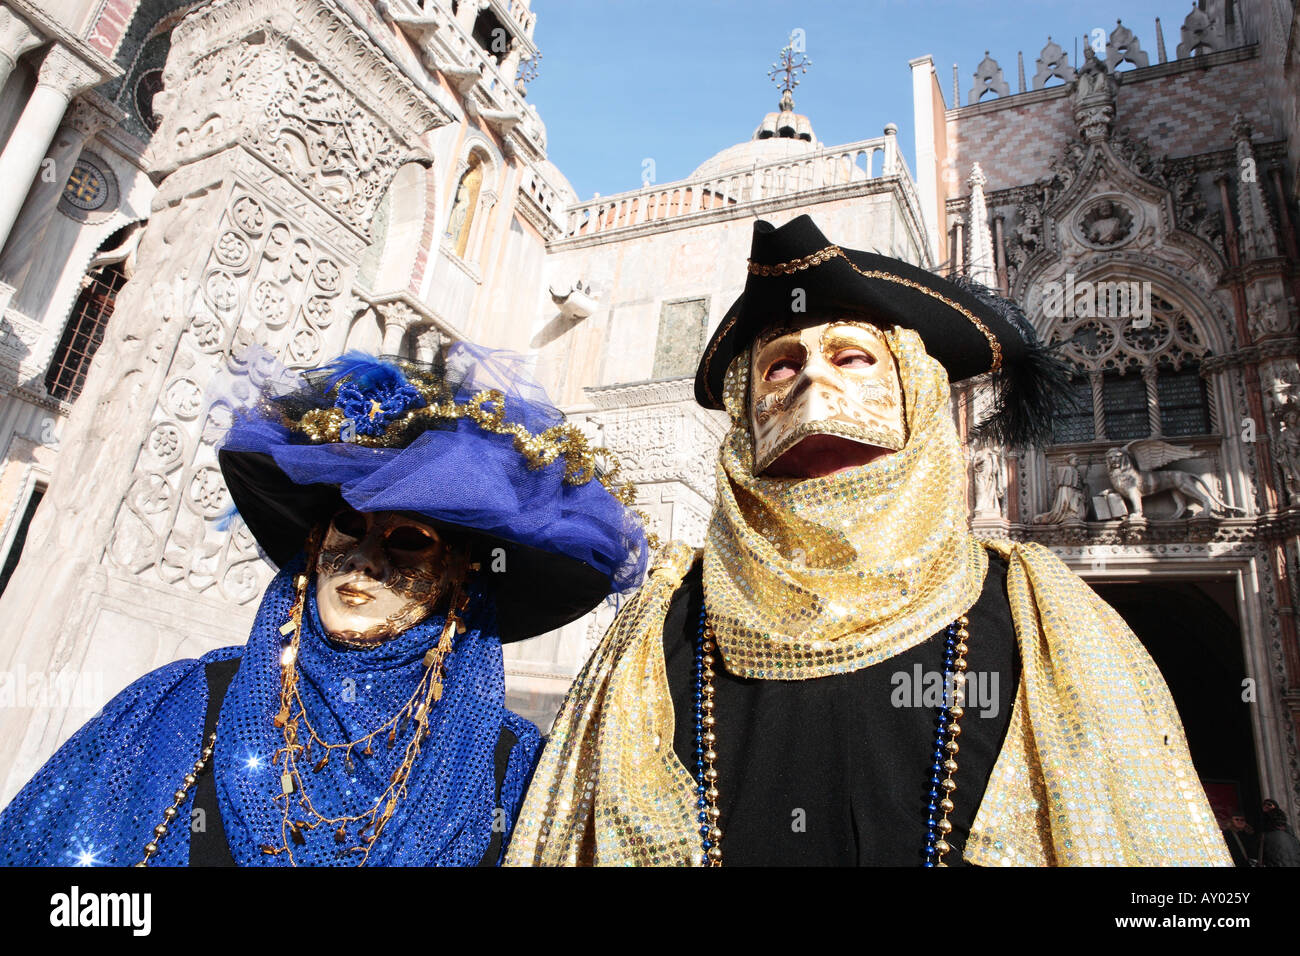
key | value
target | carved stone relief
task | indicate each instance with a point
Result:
(266, 282)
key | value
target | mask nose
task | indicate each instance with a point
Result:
(818, 391)
(367, 557)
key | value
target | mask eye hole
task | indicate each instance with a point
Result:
(349, 523)
(853, 358)
(781, 370)
(409, 538)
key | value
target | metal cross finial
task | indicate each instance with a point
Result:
(789, 64)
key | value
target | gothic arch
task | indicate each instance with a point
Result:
(1211, 326)
(471, 194)
(399, 227)
(1188, 328)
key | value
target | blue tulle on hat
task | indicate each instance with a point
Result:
(450, 471)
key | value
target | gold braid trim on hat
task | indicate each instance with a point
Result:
(322, 425)
(830, 252)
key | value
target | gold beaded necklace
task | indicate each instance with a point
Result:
(428, 691)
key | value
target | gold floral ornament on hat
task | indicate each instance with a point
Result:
(391, 415)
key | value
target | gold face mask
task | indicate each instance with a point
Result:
(378, 574)
(834, 378)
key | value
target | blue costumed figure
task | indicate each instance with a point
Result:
(420, 515)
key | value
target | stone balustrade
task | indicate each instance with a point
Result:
(827, 167)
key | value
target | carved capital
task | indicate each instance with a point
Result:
(65, 73)
(16, 37)
(88, 117)
(397, 315)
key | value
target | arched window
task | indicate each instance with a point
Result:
(1137, 369)
(464, 202)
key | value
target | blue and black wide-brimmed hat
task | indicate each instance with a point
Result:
(468, 442)
(968, 328)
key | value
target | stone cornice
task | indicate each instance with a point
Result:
(636, 394)
(1273, 347)
(1194, 530)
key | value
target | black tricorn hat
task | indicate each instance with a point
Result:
(795, 272)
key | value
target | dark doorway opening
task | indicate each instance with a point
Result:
(1192, 631)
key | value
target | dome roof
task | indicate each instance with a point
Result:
(755, 151)
(784, 134)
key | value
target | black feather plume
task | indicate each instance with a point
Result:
(1031, 387)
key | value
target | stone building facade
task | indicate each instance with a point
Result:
(200, 177)
(1140, 207)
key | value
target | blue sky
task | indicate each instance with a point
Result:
(678, 80)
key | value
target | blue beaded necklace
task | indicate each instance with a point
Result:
(938, 825)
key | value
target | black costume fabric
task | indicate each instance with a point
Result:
(835, 771)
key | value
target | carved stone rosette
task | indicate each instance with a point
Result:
(266, 282)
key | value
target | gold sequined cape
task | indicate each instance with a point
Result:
(1094, 770)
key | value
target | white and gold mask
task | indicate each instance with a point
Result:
(378, 574)
(834, 378)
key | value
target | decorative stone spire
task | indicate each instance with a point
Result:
(1160, 43)
(1200, 34)
(1123, 45)
(981, 267)
(1258, 240)
(988, 76)
(1020, 64)
(1052, 62)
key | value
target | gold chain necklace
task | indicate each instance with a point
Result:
(428, 692)
(292, 713)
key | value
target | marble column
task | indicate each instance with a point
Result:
(486, 201)
(397, 317)
(16, 38)
(62, 76)
(85, 117)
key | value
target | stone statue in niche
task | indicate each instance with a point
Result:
(990, 483)
(1284, 410)
(459, 210)
(1069, 503)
